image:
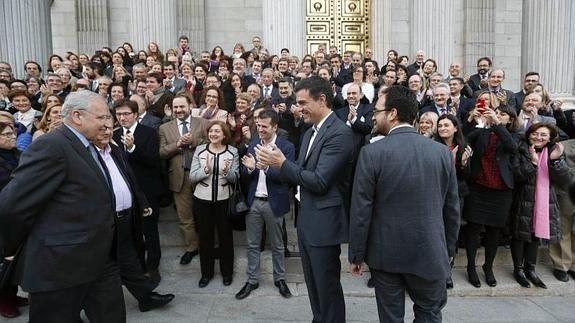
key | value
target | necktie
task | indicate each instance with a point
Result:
(185, 149)
(100, 162)
(127, 133)
(266, 91)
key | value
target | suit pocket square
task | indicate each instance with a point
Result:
(362, 119)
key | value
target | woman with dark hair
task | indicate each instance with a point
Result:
(401, 75)
(358, 74)
(141, 58)
(215, 167)
(372, 73)
(491, 184)
(392, 55)
(232, 88)
(9, 156)
(403, 60)
(535, 216)
(212, 105)
(238, 50)
(116, 92)
(217, 53)
(240, 118)
(449, 133)
(50, 121)
(54, 62)
(200, 73)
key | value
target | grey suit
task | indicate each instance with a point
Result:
(405, 220)
(177, 85)
(324, 180)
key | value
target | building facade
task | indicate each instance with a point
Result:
(519, 35)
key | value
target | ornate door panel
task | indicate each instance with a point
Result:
(343, 23)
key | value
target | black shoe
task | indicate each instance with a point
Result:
(287, 253)
(561, 275)
(154, 300)
(534, 278)
(449, 283)
(154, 275)
(519, 276)
(472, 277)
(370, 283)
(571, 273)
(283, 288)
(187, 257)
(204, 281)
(489, 277)
(227, 280)
(246, 290)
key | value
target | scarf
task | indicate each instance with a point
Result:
(541, 207)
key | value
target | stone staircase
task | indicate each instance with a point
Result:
(171, 242)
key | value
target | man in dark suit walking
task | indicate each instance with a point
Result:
(322, 174)
(131, 205)
(402, 230)
(61, 209)
(142, 146)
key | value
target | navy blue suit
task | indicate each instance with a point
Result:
(278, 191)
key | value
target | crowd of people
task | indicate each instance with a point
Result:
(126, 132)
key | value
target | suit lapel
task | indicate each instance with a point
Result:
(304, 146)
(84, 153)
(319, 136)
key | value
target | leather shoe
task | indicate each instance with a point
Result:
(571, 273)
(519, 276)
(449, 282)
(154, 300)
(472, 277)
(227, 280)
(561, 275)
(489, 277)
(246, 290)
(9, 310)
(187, 257)
(283, 288)
(204, 281)
(534, 278)
(21, 301)
(370, 283)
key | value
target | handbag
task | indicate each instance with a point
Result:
(7, 268)
(237, 206)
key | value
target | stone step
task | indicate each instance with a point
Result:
(184, 278)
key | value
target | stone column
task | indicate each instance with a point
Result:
(284, 26)
(153, 21)
(26, 33)
(381, 29)
(549, 42)
(191, 22)
(92, 24)
(432, 30)
(479, 32)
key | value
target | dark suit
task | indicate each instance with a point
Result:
(363, 124)
(130, 244)
(274, 94)
(475, 82)
(151, 121)
(60, 206)
(177, 85)
(401, 229)
(412, 68)
(324, 180)
(145, 162)
(519, 97)
(157, 108)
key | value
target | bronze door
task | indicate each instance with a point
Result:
(343, 23)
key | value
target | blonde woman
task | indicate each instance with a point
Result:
(427, 124)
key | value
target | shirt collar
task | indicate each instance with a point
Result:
(273, 139)
(132, 128)
(142, 115)
(403, 125)
(318, 126)
(188, 120)
(80, 136)
(105, 151)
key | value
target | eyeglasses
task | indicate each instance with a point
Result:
(8, 134)
(123, 114)
(376, 111)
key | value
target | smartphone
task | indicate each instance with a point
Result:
(481, 105)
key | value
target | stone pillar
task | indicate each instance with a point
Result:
(26, 33)
(92, 25)
(191, 22)
(381, 29)
(432, 30)
(153, 21)
(549, 42)
(479, 32)
(284, 26)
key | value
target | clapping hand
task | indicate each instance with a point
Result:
(269, 156)
(534, 156)
(249, 162)
(557, 151)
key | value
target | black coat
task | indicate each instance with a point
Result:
(524, 194)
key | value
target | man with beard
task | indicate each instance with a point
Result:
(529, 82)
(479, 81)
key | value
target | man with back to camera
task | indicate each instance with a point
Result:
(68, 220)
(323, 174)
(404, 232)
